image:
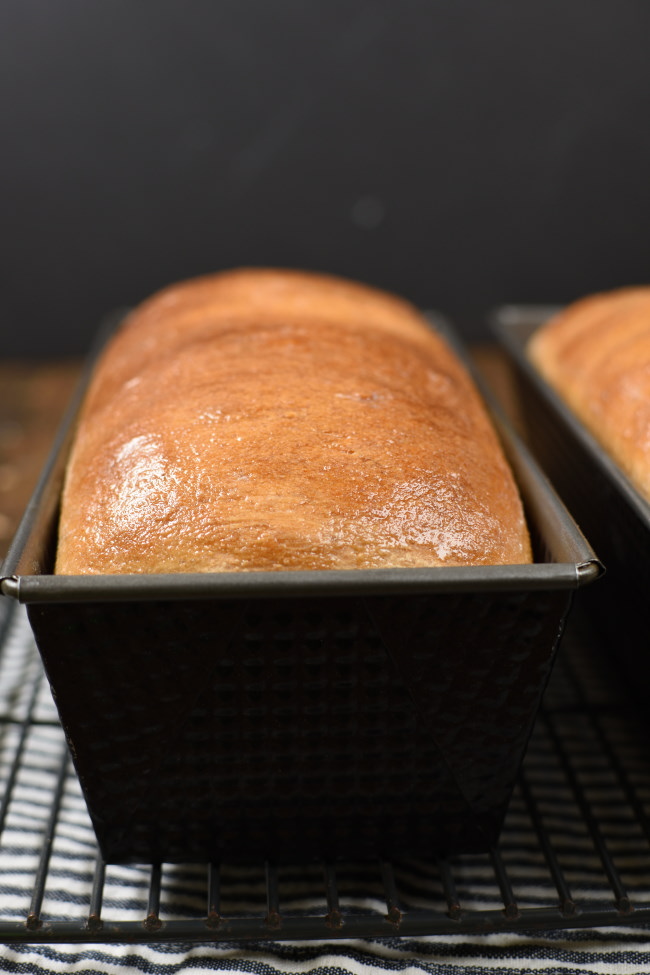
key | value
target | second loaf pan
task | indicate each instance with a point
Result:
(292, 715)
(607, 506)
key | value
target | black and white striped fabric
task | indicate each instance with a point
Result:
(31, 782)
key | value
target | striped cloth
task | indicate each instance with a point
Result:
(605, 950)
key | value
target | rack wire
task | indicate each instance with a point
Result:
(574, 851)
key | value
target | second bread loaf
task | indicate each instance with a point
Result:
(596, 354)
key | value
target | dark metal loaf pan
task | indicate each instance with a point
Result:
(606, 505)
(292, 715)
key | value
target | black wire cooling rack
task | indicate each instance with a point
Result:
(574, 852)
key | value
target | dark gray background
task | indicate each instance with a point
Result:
(463, 153)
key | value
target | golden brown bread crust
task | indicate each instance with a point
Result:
(264, 420)
(596, 354)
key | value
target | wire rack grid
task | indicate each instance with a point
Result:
(574, 851)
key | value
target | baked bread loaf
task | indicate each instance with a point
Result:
(265, 420)
(596, 355)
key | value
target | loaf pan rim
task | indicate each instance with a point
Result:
(243, 585)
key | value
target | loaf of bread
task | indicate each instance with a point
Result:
(268, 420)
(596, 355)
